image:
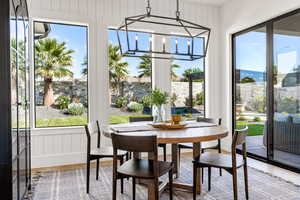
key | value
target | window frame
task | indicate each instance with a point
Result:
(57, 22)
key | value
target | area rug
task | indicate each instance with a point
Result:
(70, 185)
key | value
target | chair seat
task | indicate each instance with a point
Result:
(106, 152)
(218, 160)
(190, 146)
(143, 168)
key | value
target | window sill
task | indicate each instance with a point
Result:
(57, 131)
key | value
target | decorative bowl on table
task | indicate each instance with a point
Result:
(169, 125)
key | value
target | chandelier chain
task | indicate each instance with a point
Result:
(177, 9)
(148, 8)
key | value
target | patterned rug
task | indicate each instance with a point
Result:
(70, 185)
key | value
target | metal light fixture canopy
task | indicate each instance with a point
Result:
(168, 27)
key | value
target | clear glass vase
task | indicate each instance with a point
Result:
(159, 114)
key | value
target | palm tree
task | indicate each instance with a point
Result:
(187, 72)
(145, 67)
(51, 61)
(117, 69)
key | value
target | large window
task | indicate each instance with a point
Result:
(129, 80)
(267, 93)
(187, 87)
(61, 72)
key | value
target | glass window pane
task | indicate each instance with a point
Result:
(130, 79)
(287, 91)
(180, 73)
(61, 72)
(250, 88)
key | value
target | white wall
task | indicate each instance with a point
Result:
(67, 145)
(237, 15)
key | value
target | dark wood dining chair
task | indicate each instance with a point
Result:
(228, 162)
(141, 119)
(134, 168)
(214, 147)
(98, 153)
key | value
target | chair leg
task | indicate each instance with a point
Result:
(209, 178)
(165, 152)
(122, 180)
(194, 181)
(88, 176)
(234, 181)
(220, 172)
(246, 181)
(202, 177)
(97, 170)
(133, 188)
(171, 184)
(156, 186)
(114, 195)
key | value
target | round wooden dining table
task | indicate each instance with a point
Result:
(194, 134)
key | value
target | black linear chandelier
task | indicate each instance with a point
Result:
(192, 38)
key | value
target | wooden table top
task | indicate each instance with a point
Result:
(187, 135)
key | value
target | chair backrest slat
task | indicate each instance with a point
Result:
(135, 143)
(91, 129)
(239, 137)
(210, 120)
(140, 119)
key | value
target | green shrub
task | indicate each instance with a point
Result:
(63, 102)
(75, 109)
(257, 119)
(200, 98)
(242, 118)
(146, 101)
(135, 107)
(121, 102)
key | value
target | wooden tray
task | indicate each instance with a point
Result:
(169, 126)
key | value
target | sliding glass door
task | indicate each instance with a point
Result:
(286, 86)
(266, 85)
(250, 87)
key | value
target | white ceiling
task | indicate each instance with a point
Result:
(212, 2)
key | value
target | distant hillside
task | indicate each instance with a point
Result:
(257, 76)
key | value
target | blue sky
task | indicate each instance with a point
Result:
(76, 39)
(251, 52)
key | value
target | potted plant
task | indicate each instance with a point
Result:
(158, 100)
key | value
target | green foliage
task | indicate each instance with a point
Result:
(145, 66)
(158, 97)
(63, 102)
(257, 119)
(288, 105)
(121, 102)
(254, 129)
(146, 101)
(135, 107)
(75, 109)
(248, 80)
(242, 118)
(188, 72)
(118, 70)
(173, 99)
(122, 119)
(200, 98)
